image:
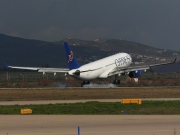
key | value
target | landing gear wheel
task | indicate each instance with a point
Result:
(116, 82)
(85, 83)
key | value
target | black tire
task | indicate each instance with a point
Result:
(116, 82)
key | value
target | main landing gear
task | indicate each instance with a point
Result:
(85, 83)
(116, 81)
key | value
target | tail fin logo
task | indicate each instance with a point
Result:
(71, 60)
(70, 56)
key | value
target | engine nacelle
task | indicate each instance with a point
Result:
(135, 74)
(77, 73)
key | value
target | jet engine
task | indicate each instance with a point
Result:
(135, 74)
(77, 73)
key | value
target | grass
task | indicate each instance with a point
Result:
(100, 108)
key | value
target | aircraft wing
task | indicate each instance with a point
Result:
(42, 69)
(53, 70)
(136, 68)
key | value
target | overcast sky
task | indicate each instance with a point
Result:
(151, 22)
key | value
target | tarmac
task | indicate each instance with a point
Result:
(90, 124)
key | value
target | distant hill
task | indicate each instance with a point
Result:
(29, 52)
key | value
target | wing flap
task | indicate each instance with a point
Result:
(127, 70)
(53, 70)
(40, 69)
(26, 68)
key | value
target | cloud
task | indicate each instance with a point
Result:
(152, 22)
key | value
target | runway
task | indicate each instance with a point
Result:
(90, 124)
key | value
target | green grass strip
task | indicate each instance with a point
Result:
(97, 108)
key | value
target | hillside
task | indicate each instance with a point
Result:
(29, 52)
(137, 50)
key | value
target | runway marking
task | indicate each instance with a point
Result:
(110, 132)
(143, 131)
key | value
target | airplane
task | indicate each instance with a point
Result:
(114, 65)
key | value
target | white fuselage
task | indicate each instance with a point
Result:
(101, 68)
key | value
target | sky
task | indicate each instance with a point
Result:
(152, 22)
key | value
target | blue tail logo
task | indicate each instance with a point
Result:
(72, 62)
(70, 56)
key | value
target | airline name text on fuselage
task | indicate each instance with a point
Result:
(122, 61)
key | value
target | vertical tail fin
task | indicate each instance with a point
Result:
(72, 62)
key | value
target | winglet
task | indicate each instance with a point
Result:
(72, 62)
